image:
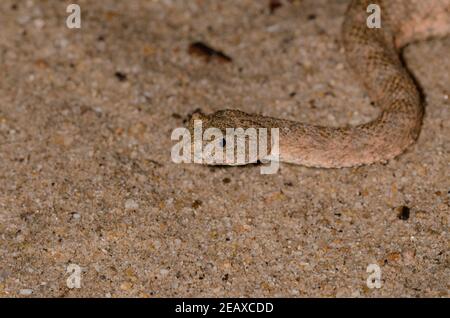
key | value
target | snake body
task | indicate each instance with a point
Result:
(374, 56)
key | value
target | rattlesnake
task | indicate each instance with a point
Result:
(373, 54)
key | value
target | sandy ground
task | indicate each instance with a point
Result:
(86, 176)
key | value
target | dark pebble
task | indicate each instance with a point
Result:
(122, 77)
(274, 5)
(403, 213)
(203, 50)
(196, 204)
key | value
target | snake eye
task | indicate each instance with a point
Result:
(223, 142)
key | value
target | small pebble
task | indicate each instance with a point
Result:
(126, 286)
(26, 292)
(39, 23)
(76, 215)
(274, 5)
(408, 256)
(403, 212)
(394, 257)
(295, 292)
(196, 204)
(130, 204)
(203, 50)
(122, 77)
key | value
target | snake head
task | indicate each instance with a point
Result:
(226, 137)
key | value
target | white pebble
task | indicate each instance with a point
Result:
(130, 204)
(164, 272)
(39, 23)
(26, 292)
(76, 216)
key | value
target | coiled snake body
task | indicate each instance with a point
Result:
(374, 56)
